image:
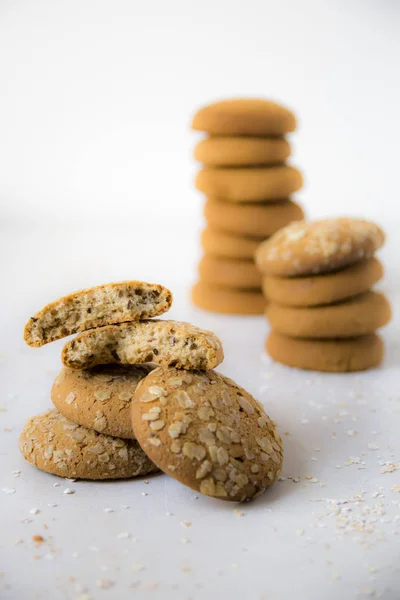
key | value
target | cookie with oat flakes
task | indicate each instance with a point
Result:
(166, 343)
(97, 306)
(99, 398)
(206, 432)
(318, 247)
(58, 446)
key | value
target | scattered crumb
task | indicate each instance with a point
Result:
(38, 539)
(105, 584)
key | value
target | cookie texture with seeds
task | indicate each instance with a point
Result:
(241, 151)
(319, 247)
(99, 398)
(332, 356)
(357, 316)
(207, 432)
(58, 446)
(244, 116)
(314, 290)
(97, 306)
(167, 343)
(251, 184)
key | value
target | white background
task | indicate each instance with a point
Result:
(96, 185)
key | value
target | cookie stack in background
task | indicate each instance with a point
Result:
(117, 416)
(317, 279)
(248, 187)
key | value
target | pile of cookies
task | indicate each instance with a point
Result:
(317, 278)
(248, 187)
(137, 394)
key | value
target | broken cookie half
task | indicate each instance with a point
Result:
(166, 343)
(96, 307)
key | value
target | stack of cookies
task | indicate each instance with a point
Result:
(138, 394)
(248, 187)
(317, 278)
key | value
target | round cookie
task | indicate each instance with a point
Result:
(244, 116)
(228, 301)
(241, 151)
(99, 398)
(251, 184)
(359, 315)
(319, 246)
(253, 220)
(58, 446)
(334, 356)
(224, 245)
(326, 288)
(207, 432)
(231, 273)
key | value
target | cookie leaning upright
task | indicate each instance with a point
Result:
(317, 278)
(248, 186)
(206, 432)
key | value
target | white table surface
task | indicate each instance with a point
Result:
(329, 529)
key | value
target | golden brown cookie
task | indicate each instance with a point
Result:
(225, 245)
(244, 116)
(99, 398)
(207, 432)
(241, 151)
(221, 299)
(97, 306)
(319, 246)
(251, 184)
(234, 273)
(253, 220)
(335, 356)
(58, 446)
(166, 343)
(357, 316)
(326, 288)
